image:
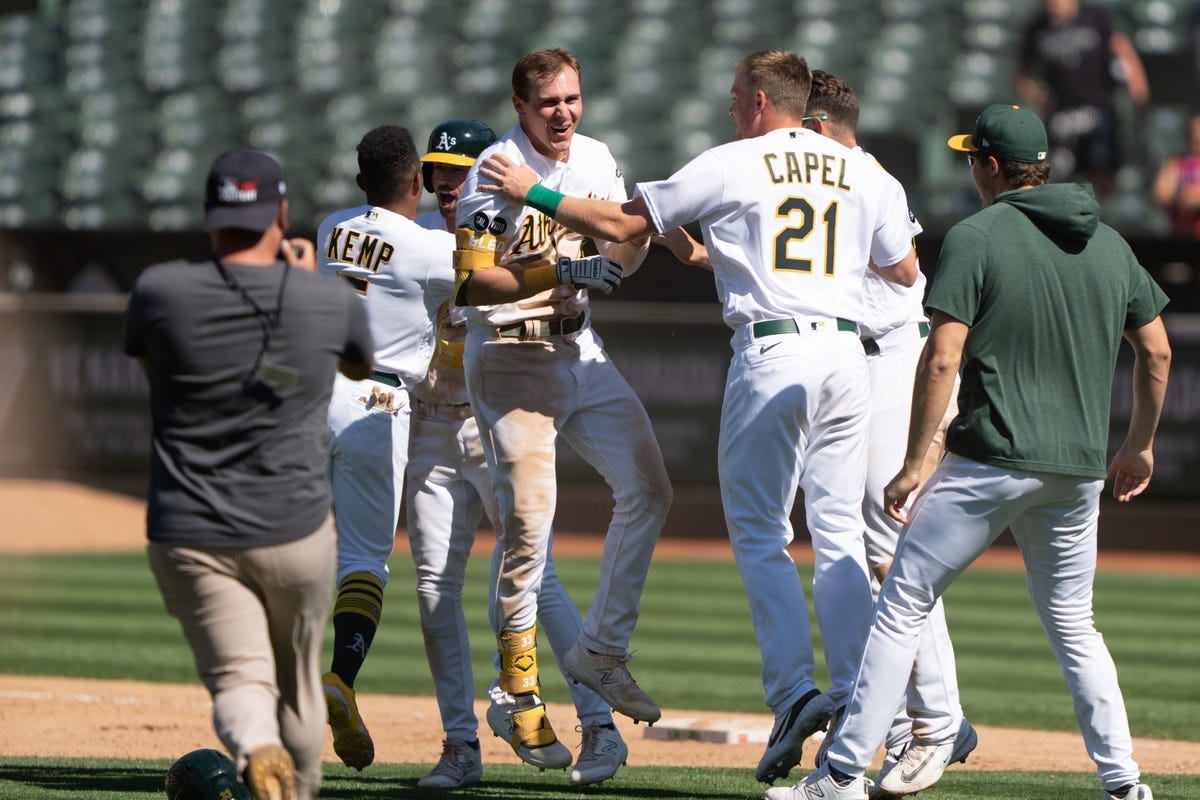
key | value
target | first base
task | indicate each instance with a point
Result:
(704, 729)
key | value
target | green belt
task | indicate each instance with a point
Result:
(386, 377)
(774, 327)
(923, 327)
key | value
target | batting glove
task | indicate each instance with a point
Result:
(593, 272)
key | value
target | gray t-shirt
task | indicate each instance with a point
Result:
(240, 437)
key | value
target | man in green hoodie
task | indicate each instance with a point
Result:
(1032, 297)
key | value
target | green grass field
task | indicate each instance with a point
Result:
(99, 616)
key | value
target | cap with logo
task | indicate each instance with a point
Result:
(1005, 131)
(457, 142)
(244, 190)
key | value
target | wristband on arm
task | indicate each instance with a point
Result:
(543, 199)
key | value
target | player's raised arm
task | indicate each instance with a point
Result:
(600, 219)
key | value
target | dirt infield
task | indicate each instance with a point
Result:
(42, 716)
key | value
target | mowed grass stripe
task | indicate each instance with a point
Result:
(100, 615)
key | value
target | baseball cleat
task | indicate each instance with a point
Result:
(460, 765)
(922, 765)
(830, 735)
(821, 785)
(786, 743)
(601, 752)
(891, 758)
(527, 730)
(1137, 791)
(351, 739)
(607, 676)
(271, 773)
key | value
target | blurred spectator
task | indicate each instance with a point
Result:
(1177, 187)
(1071, 62)
(1193, 49)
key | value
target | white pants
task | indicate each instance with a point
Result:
(932, 711)
(527, 393)
(795, 414)
(368, 453)
(449, 488)
(961, 511)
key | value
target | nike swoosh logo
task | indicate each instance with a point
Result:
(767, 347)
(908, 775)
(787, 721)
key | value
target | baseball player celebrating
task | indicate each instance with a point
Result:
(791, 220)
(448, 489)
(404, 273)
(893, 330)
(536, 370)
(1034, 285)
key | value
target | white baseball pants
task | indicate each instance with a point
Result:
(961, 511)
(527, 393)
(932, 711)
(367, 456)
(795, 414)
(449, 489)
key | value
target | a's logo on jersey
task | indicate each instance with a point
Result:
(498, 227)
(619, 172)
(912, 217)
(446, 142)
(480, 221)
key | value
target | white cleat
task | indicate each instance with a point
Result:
(820, 785)
(527, 730)
(922, 765)
(1139, 791)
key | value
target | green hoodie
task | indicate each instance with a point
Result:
(1047, 290)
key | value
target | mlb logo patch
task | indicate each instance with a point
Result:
(231, 190)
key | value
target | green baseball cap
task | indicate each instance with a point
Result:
(1005, 131)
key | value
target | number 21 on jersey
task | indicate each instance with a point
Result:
(799, 207)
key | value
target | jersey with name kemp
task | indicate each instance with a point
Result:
(403, 272)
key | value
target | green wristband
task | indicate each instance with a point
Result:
(543, 199)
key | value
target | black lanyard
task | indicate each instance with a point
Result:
(267, 319)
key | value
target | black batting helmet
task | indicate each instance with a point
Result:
(205, 775)
(458, 142)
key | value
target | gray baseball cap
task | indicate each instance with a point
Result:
(244, 190)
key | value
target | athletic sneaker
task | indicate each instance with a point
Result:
(601, 751)
(608, 677)
(271, 773)
(351, 739)
(820, 785)
(1137, 791)
(891, 758)
(922, 765)
(524, 725)
(785, 745)
(460, 765)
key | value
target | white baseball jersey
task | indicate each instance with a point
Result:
(526, 236)
(794, 201)
(890, 305)
(403, 271)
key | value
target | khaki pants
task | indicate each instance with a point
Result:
(255, 618)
